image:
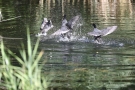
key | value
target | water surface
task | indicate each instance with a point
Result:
(78, 64)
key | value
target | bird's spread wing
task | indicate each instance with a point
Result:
(63, 29)
(59, 32)
(96, 32)
(71, 23)
(47, 28)
(108, 30)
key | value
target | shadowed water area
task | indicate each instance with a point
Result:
(79, 63)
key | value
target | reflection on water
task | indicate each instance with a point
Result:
(79, 64)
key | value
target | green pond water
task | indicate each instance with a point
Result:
(78, 64)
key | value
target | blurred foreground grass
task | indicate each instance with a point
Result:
(28, 74)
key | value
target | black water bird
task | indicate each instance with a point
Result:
(67, 26)
(99, 33)
(45, 27)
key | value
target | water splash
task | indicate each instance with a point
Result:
(84, 39)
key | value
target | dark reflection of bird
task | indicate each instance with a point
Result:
(103, 88)
(45, 26)
(67, 26)
(99, 33)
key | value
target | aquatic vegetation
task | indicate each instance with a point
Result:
(28, 74)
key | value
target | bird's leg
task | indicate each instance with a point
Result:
(98, 39)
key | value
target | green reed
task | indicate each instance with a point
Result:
(26, 76)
